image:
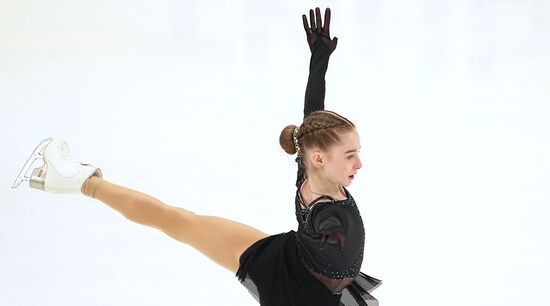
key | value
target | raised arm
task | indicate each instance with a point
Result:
(321, 46)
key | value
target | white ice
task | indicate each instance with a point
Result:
(185, 100)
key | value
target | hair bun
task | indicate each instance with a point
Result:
(286, 139)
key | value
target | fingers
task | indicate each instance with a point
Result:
(318, 20)
(330, 236)
(342, 241)
(306, 26)
(326, 25)
(316, 23)
(323, 241)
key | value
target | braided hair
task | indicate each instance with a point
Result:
(320, 130)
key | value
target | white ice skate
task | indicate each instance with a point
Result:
(59, 173)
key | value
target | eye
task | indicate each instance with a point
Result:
(351, 156)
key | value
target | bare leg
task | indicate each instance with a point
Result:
(221, 240)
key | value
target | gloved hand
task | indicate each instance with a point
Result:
(317, 30)
(333, 236)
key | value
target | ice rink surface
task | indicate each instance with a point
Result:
(185, 100)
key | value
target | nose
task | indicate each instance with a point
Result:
(359, 164)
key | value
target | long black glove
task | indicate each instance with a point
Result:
(315, 29)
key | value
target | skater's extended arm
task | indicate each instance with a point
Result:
(321, 46)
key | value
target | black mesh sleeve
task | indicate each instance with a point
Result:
(315, 89)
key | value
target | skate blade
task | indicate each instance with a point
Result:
(36, 154)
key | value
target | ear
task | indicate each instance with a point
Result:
(317, 159)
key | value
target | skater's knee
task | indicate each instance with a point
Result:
(148, 211)
(176, 222)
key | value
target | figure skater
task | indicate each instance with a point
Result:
(317, 265)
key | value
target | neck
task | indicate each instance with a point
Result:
(322, 186)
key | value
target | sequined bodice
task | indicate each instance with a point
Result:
(330, 262)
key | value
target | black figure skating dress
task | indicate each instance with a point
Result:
(290, 269)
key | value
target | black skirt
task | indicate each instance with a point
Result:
(272, 272)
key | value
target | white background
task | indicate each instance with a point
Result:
(185, 100)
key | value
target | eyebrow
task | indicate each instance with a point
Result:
(351, 151)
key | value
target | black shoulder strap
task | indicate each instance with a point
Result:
(317, 199)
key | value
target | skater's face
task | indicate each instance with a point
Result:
(341, 162)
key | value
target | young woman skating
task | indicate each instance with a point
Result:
(316, 265)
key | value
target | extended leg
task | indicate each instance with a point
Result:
(222, 240)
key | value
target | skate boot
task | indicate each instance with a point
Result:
(59, 173)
